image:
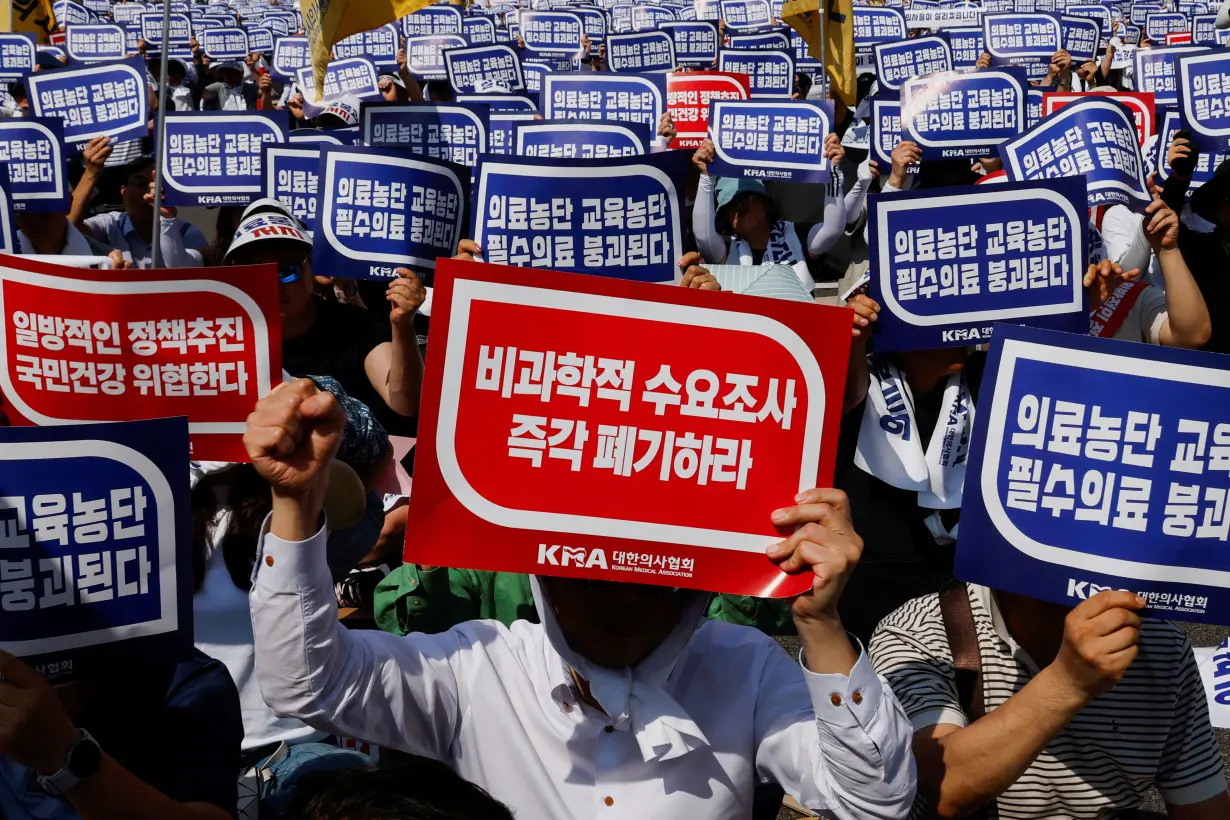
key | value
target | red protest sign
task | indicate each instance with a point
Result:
(1140, 103)
(688, 95)
(1178, 38)
(596, 427)
(83, 346)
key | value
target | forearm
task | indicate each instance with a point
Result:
(858, 377)
(82, 195)
(826, 646)
(970, 767)
(825, 235)
(412, 85)
(855, 199)
(117, 794)
(1187, 314)
(704, 224)
(171, 244)
(405, 381)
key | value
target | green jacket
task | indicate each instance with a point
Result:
(413, 600)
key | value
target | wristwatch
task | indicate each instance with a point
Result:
(84, 760)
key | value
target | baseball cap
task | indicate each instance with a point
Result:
(272, 227)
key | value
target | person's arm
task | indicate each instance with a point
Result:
(1124, 237)
(904, 155)
(95, 156)
(1187, 322)
(395, 369)
(858, 377)
(264, 85)
(704, 213)
(1181, 155)
(856, 197)
(1108, 58)
(1190, 771)
(411, 82)
(393, 691)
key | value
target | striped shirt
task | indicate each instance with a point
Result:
(1151, 729)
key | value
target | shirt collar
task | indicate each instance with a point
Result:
(127, 229)
(986, 597)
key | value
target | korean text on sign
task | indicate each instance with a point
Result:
(953, 115)
(106, 99)
(591, 96)
(768, 140)
(918, 57)
(214, 158)
(292, 176)
(456, 132)
(31, 149)
(1204, 98)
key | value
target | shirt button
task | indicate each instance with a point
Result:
(268, 560)
(608, 729)
(610, 801)
(857, 697)
(835, 699)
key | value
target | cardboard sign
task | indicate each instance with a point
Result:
(1098, 464)
(95, 43)
(661, 461)
(67, 12)
(425, 54)
(378, 45)
(1139, 12)
(331, 136)
(214, 157)
(541, 213)
(1140, 104)
(769, 73)
(483, 68)
(1099, 141)
(594, 21)
(1207, 162)
(953, 261)
(1094, 11)
(904, 59)
(224, 44)
(1082, 38)
(965, 45)
(587, 95)
(432, 20)
(884, 132)
(96, 533)
(1204, 98)
(765, 40)
(567, 139)
(1156, 71)
(102, 100)
(455, 132)
(31, 149)
(261, 39)
(85, 346)
(292, 176)
(552, 32)
(696, 42)
(781, 141)
(953, 115)
(689, 98)
(290, 56)
(642, 51)
(382, 209)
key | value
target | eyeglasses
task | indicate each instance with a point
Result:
(288, 274)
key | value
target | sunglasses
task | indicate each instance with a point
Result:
(288, 274)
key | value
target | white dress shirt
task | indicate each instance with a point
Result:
(498, 705)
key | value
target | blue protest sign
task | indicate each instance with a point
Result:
(874, 24)
(224, 44)
(594, 21)
(128, 12)
(1159, 24)
(770, 73)
(378, 45)
(587, 95)
(1021, 38)
(1204, 30)
(479, 31)
(621, 18)
(707, 9)
(327, 136)
(98, 7)
(782, 141)
(502, 131)
(105, 99)
(202, 24)
(953, 115)
(290, 54)
(355, 76)
(455, 132)
(214, 157)
(94, 43)
(1095, 137)
(580, 139)
(534, 72)
(917, 57)
(425, 55)
(292, 176)
(1081, 38)
(261, 38)
(552, 32)
(965, 45)
(382, 209)
(948, 263)
(480, 68)
(8, 223)
(17, 55)
(69, 13)
(1094, 11)
(501, 103)
(696, 42)
(1204, 98)
(1100, 464)
(1140, 12)
(765, 40)
(432, 20)
(31, 149)
(1034, 101)
(616, 217)
(1155, 70)
(884, 132)
(643, 51)
(151, 30)
(645, 18)
(746, 13)
(1206, 162)
(119, 579)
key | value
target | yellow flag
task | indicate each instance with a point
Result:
(28, 17)
(327, 21)
(835, 29)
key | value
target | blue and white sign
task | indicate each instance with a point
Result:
(617, 217)
(554, 32)
(425, 55)
(1159, 24)
(1206, 162)
(214, 157)
(225, 44)
(502, 131)
(481, 69)
(262, 39)
(621, 18)
(647, 18)
(1204, 30)
(1204, 98)
(877, 24)
(1156, 70)
(884, 133)
(69, 13)
(97, 7)
(1081, 38)
(102, 100)
(1094, 11)
(764, 41)
(122, 572)
(17, 55)
(918, 57)
(327, 136)
(950, 262)
(181, 30)
(1094, 137)
(953, 115)
(95, 43)
(594, 21)
(535, 69)
(1021, 38)
(31, 148)
(502, 103)
(454, 132)
(588, 95)
(1100, 464)
(378, 45)
(770, 73)
(290, 55)
(292, 176)
(643, 51)
(572, 139)
(356, 76)
(782, 141)
(128, 12)
(381, 210)
(707, 9)
(966, 46)
(696, 42)
(746, 13)
(432, 20)
(479, 31)
(1034, 101)
(1140, 12)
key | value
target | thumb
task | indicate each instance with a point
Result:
(13, 670)
(321, 407)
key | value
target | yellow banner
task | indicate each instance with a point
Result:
(29, 17)
(327, 21)
(835, 28)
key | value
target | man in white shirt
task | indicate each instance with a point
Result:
(622, 704)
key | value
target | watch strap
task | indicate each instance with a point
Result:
(63, 781)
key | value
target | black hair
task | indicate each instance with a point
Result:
(945, 173)
(175, 67)
(412, 788)
(143, 165)
(247, 497)
(440, 91)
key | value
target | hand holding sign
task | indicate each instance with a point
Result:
(824, 543)
(1099, 643)
(406, 293)
(34, 729)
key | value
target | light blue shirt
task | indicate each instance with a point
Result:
(116, 229)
